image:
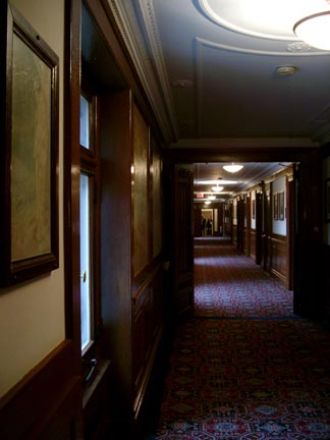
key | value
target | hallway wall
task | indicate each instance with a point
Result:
(32, 320)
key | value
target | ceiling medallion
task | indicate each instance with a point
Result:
(261, 18)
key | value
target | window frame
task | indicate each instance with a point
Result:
(90, 165)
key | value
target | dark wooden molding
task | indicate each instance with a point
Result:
(103, 16)
(221, 154)
(33, 404)
(72, 70)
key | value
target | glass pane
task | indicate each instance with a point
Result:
(84, 122)
(86, 304)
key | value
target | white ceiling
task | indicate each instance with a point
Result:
(210, 85)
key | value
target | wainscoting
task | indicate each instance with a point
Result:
(279, 257)
(253, 245)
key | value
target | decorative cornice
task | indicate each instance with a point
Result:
(214, 45)
(246, 143)
(135, 43)
(148, 15)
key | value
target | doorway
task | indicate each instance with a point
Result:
(251, 216)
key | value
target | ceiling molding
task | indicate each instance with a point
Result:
(246, 143)
(148, 15)
(135, 43)
(215, 45)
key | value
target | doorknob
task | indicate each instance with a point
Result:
(83, 277)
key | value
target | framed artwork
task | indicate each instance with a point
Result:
(275, 206)
(281, 205)
(29, 156)
(327, 201)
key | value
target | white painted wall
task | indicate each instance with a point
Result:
(279, 226)
(32, 314)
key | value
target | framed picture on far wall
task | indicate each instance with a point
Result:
(275, 206)
(281, 205)
(327, 201)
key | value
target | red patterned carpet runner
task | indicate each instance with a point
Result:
(230, 285)
(246, 379)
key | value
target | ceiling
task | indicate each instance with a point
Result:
(208, 175)
(214, 85)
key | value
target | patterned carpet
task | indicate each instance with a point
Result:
(247, 379)
(231, 286)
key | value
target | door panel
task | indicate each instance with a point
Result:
(183, 240)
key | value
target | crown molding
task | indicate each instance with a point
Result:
(246, 143)
(148, 15)
(287, 53)
(137, 47)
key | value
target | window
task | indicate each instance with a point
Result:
(85, 122)
(90, 316)
(86, 268)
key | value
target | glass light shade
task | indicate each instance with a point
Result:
(208, 202)
(217, 189)
(315, 30)
(232, 168)
(211, 197)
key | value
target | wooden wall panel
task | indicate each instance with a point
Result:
(253, 244)
(147, 326)
(141, 225)
(234, 234)
(279, 257)
(29, 412)
(157, 211)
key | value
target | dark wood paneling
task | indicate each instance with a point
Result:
(253, 244)
(234, 234)
(279, 257)
(197, 213)
(101, 11)
(96, 404)
(45, 402)
(116, 159)
(147, 327)
(183, 240)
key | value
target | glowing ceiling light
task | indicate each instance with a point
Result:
(232, 168)
(217, 189)
(211, 197)
(314, 30)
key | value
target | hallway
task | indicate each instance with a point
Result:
(245, 369)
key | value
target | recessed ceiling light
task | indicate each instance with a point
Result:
(232, 168)
(286, 70)
(260, 18)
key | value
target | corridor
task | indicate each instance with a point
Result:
(244, 366)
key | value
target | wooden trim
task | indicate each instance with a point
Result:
(191, 155)
(72, 70)
(39, 395)
(102, 14)
(145, 278)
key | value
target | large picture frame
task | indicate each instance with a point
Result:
(29, 154)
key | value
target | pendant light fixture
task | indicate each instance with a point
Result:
(314, 30)
(233, 168)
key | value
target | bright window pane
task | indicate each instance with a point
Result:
(86, 304)
(84, 122)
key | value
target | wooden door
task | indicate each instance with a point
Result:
(259, 212)
(308, 287)
(240, 226)
(183, 240)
